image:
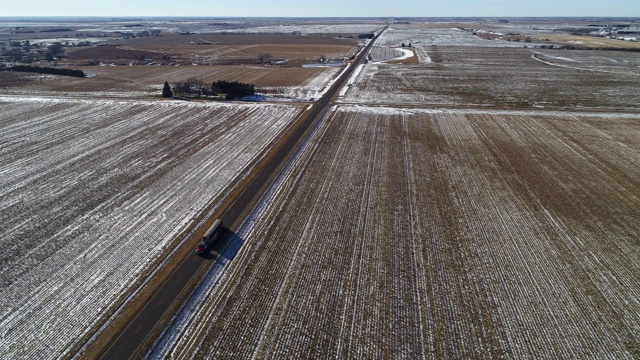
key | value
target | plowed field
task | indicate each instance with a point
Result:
(95, 193)
(481, 203)
(456, 74)
(147, 80)
(421, 234)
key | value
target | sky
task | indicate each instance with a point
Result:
(322, 8)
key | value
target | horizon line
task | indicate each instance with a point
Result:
(318, 17)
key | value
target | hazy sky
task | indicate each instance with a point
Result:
(321, 8)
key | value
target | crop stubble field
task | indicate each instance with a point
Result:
(440, 234)
(458, 69)
(477, 230)
(95, 192)
(126, 81)
(505, 77)
(245, 53)
(98, 186)
(140, 66)
(504, 224)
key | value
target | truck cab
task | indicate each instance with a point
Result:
(201, 248)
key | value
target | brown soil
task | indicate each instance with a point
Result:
(445, 234)
(110, 80)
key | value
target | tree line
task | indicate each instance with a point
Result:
(47, 70)
(231, 90)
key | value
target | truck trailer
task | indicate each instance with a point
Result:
(209, 237)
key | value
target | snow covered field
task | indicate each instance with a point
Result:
(459, 69)
(313, 89)
(482, 203)
(504, 77)
(400, 233)
(312, 29)
(94, 192)
(380, 53)
(423, 38)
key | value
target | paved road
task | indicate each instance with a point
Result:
(129, 342)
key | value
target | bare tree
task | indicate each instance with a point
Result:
(265, 58)
(189, 86)
(56, 49)
(195, 84)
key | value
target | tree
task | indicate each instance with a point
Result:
(56, 49)
(189, 87)
(166, 90)
(48, 70)
(195, 84)
(237, 91)
(215, 89)
(234, 90)
(182, 88)
(265, 58)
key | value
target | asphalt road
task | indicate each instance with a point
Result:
(128, 344)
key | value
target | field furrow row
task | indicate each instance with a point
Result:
(409, 233)
(108, 208)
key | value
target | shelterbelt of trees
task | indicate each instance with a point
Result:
(232, 90)
(46, 70)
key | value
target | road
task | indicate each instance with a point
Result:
(131, 342)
